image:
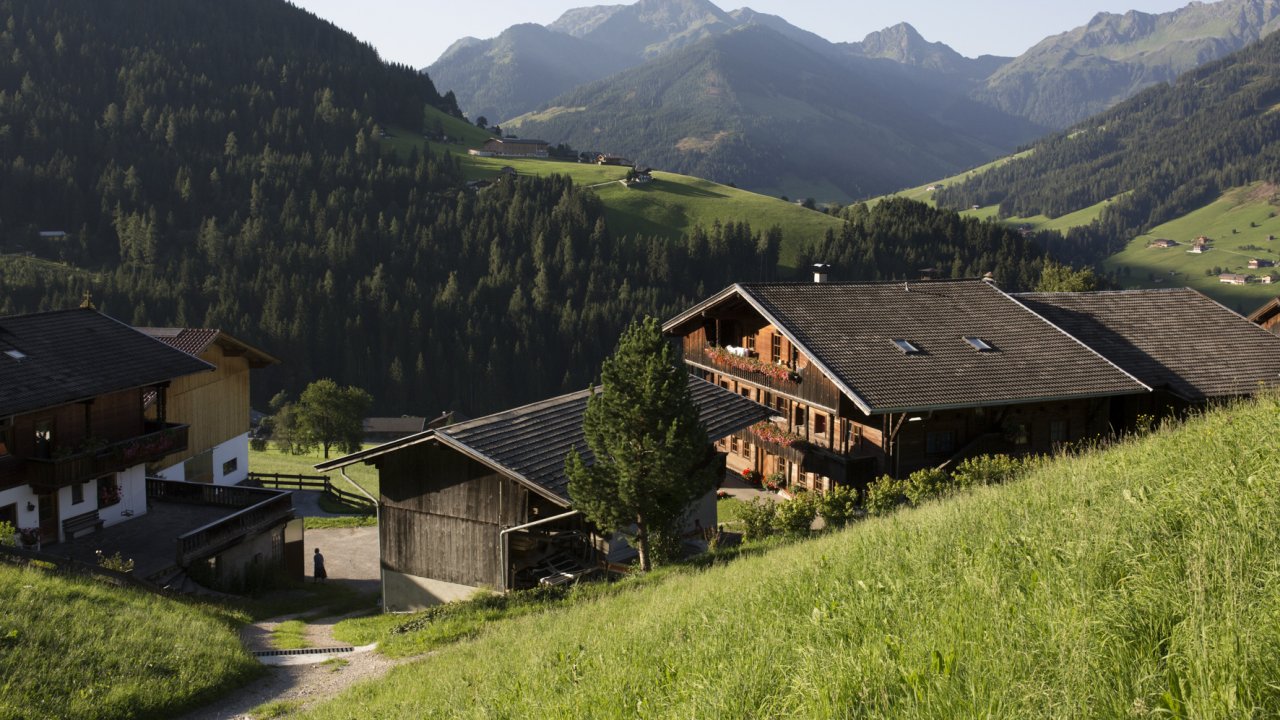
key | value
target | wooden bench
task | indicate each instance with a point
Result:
(73, 526)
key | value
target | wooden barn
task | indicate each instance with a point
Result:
(485, 504)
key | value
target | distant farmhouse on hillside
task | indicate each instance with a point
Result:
(1163, 243)
(512, 147)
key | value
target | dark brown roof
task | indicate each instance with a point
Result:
(195, 341)
(849, 329)
(53, 358)
(405, 424)
(1175, 339)
(530, 443)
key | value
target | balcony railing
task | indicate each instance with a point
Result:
(807, 383)
(159, 441)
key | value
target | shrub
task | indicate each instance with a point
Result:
(114, 562)
(258, 444)
(884, 496)
(794, 517)
(988, 470)
(838, 506)
(927, 484)
(7, 533)
(757, 518)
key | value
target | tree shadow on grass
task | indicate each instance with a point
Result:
(678, 189)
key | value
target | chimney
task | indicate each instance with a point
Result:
(820, 272)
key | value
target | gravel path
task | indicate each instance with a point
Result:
(351, 558)
(306, 679)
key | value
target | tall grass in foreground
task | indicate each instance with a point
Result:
(1140, 581)
(78, 648)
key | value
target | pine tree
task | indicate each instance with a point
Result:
(652, 458)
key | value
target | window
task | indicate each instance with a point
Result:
(746, 392)
(800, 416)
(230, 466)
(1057, 431)
(768, 399)
(905, 346)
(1020, 435)
(938, 442)
(77, 493)
(795, 356)
(819, 424)
(749, 342)
(978, 344)
(108, 491)
(6, 436)
(44, 439)
(775, 348)
(9, 514)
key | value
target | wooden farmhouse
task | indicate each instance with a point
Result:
(873, 378)
(485, 503)
(215, 405)
(74, 438)
(512, 147)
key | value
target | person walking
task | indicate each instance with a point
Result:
(318, 563)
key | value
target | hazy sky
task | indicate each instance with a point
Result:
(415, 32)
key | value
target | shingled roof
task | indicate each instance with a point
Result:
(849, 331)
(53, 358)
(195, 341)
(530, 443)
(1174, 339)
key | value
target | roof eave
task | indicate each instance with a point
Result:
(1006, 402)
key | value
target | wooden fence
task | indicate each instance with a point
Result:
(283, 481)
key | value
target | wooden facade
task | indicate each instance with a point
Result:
(442, 514)
(215, 404)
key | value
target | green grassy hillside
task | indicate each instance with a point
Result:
(669, 207)
(672, 204)
(77, 648)
(1238, 223)
(1140, 581)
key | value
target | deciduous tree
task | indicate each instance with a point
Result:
(328, 415)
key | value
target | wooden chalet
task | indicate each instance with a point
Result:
(215, 405)
(74, 438)
(872, 378)
(485, 503)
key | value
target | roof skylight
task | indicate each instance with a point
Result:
(905, 346)
(15, 354)
(978, 343)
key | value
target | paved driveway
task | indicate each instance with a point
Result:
(350, 555)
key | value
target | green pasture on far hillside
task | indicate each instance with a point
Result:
(1238, 225)
(671, 206)
(272, 460)
(1137, 581)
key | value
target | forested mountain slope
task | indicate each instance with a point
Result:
(1170, 149)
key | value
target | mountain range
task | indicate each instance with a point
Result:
(563, 82)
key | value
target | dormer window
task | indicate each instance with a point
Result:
(979, 344)
(906, 347)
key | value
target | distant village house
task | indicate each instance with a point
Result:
(512, 147)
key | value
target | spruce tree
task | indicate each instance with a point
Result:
(652, 458)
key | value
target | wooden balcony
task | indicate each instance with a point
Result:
(159, 440)
(259, 509)
(806, 383)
